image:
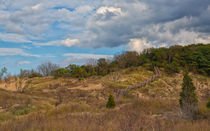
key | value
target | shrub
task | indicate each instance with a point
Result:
(172, 68)
(29, 73)
(62, 72)
(110, 102)
(35, 74)
(23, 110)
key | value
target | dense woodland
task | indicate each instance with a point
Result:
(195, 58)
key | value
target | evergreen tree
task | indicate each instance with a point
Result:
(208, 104)
(111, 102)
(188, 98)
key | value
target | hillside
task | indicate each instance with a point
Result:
(49, 103)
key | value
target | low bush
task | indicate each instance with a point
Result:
(61, 73)
(110, 102)
(23, 110)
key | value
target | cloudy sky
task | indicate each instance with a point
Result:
(72, 31)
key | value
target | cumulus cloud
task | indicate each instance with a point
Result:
(36, 7)
(138, 45)
(23, 62)
(106, 23)
(160, 22)
(36, 20)
(12, 37)
(67, 42)
(80, 58)
(15, 52)
(81, 55)
(108, 12)
(14, 28)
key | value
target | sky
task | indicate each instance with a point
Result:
(73, 31)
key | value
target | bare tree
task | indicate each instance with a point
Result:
(23, 73)
(46, 69)
(91, 62)
(3, 72)
(8, 79)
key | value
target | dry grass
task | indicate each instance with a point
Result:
(140, 115)
(70, 104)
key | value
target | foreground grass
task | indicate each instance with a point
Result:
(139, 115)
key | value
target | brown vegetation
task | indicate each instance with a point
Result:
(71, 104)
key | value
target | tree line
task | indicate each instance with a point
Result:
(195, 57)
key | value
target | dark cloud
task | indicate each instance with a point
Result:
(157, 21)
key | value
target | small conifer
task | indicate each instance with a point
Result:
(188, 98)
(208, 104)
(110, 102)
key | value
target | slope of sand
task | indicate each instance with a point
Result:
(12, 84)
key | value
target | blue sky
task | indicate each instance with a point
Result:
(73, 31)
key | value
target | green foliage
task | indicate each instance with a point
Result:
(103, 67)
(77, 71)
(201, 61)
(208, 104)
(35, 74)
(23, 111)
(128, 59)
(110, 102)
(172, 68)
(61, 72)
(188, 98)
(195, 57)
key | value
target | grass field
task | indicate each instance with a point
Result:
(71, 104)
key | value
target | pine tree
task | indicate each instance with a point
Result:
(208, 104)
(110, 102)
(188, 98)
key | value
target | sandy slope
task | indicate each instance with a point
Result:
(12, 84)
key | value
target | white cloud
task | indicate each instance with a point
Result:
(205, 40)
(4, 16)
(67, 42)
(14, 28)
(138, 45)
(104, 10)
(11, 37)
(36, 7)
(104, 15)
(105, 23)
(169, 33)
(83, 9)
(81, 55)
(80, 58)
(23, 62)
(15, 52)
